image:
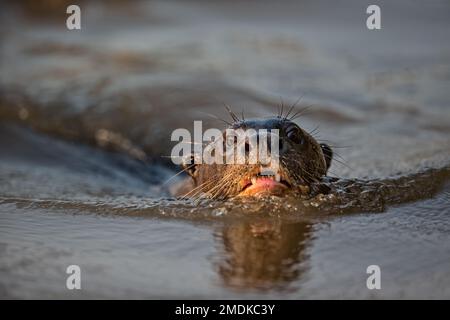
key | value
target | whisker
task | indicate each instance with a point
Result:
(335, 174)
(178, 173)
(314, 131)
(342, 163)
(197, 190)
(331, 145)
(292, 107)
(300, 113)
(282, 108)
(216, 117)
(194, 192)
(232, 114)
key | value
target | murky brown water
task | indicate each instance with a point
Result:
(85, 123)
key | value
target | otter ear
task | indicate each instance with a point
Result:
(189, 166)
(327, 153)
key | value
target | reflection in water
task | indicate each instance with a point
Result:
(262, 254)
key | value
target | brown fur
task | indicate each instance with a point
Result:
(303, 161)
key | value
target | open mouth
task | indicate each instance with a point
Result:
(263, 184)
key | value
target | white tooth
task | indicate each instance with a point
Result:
(253, 180)
(278, 177)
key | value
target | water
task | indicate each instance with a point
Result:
(85, 123)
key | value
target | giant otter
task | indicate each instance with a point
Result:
(303, 166)
(303, 161)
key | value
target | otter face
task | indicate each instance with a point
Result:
(302, 161)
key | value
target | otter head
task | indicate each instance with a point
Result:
(301, 162)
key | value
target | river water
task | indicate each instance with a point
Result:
(85, 124)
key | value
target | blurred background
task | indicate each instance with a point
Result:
(139, 69)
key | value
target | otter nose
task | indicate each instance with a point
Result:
(270, 147)
(259, 147)
(267, 141)
(273, 142)
(269, 161)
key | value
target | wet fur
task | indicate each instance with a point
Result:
(303, 161)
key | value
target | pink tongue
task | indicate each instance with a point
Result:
(265, 182)
(264, 185)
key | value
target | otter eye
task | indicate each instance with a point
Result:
(295, 135)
